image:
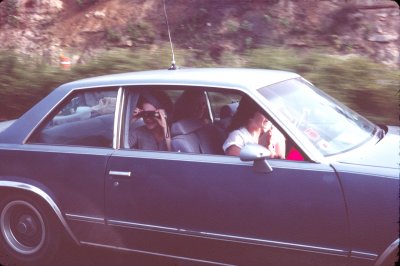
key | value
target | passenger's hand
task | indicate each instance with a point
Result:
(135, 114)
(267, 126)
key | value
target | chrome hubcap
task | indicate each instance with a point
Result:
(22, 227)
(26, 225)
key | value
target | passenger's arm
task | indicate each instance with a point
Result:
(233, 150)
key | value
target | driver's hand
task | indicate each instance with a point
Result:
(276, 143)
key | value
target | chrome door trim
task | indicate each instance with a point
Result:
(117, 118)
(278, 244)
(363, 255)
(141, 226)
(231, 238)
(153, 253)
(82, 218)
(220, 159)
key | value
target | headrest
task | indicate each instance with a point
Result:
(185, 126)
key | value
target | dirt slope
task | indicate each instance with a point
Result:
(81, 27)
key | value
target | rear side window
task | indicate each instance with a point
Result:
(193, 119)
(83, 119)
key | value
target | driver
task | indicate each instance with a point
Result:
(250, 126)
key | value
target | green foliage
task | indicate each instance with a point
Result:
(232, 26)
(84, 3)
(112, 35)
(11, 13)
(273, 58)
(141, 33)
(194, 30)
(123, 60)
(23, 82)
(246, 26)
(342, 19)
(365, 86)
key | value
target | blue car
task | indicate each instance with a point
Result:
(69, 172)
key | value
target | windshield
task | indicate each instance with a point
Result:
(330, 126)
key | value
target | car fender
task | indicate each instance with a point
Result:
(389, 254)
(36, 190)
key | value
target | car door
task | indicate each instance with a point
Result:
(69, 152)
(215, 208)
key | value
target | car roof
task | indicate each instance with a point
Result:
(208, 77)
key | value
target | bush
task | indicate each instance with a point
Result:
(23, 84)
(365, 86)
(140, 33)
(112, 35)
(84, 3)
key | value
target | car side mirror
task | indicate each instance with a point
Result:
(258, 154)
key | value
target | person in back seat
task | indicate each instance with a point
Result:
(155, 133)
(192, 104)
(225, 118)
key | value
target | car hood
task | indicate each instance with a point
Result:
(384, 153)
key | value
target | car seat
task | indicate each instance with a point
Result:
(193, 136)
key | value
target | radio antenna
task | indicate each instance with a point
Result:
(173, 64)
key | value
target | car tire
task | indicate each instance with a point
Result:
(28, 231)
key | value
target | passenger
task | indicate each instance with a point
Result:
(192, 104)
(155, 133)
(250, 126)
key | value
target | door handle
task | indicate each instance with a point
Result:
(120, 173)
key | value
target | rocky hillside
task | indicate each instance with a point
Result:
(81, 28)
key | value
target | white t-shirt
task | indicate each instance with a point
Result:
(240, 138)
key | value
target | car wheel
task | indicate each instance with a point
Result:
(27, 230)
